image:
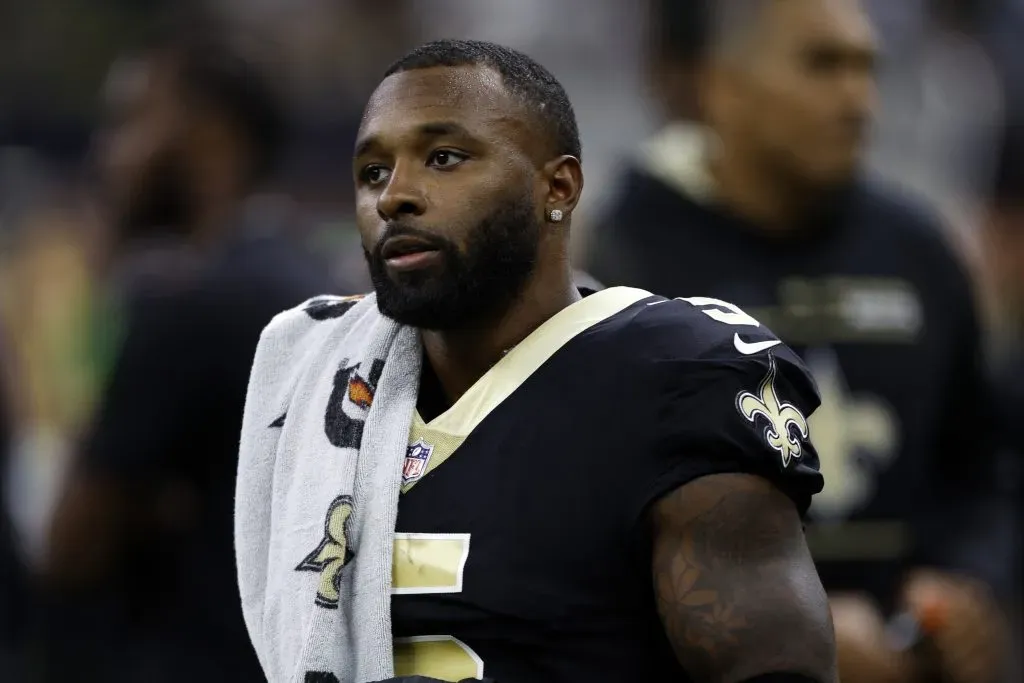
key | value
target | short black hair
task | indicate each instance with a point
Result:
(210, 68)
(681, 29)
(690, 31)
(525, 79)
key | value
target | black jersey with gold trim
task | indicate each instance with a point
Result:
(522, 550)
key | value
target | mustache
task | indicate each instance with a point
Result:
(396, 229)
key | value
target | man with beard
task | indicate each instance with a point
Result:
(623, 483)
(193, 132)
(766, 208)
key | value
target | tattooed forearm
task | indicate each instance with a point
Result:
(736, 588)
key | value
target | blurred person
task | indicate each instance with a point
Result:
(1004, 242)
(193, 133)
(678, 39)
(766, 208)
(1004, 238)
(942, 108)
(419, 474)
(677, 42)
(13, 575)
(1002, 23)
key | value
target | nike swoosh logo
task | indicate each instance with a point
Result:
(748, 348)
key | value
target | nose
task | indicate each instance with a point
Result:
(861, 95)
(402, 196)
(859, 90)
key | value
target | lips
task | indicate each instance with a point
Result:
(405, 245)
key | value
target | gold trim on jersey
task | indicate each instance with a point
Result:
(428, 563)
(445, 433)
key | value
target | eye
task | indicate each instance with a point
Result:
(446, 159)
(374, 174)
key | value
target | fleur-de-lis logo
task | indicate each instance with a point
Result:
(332, 554)
(787, 427)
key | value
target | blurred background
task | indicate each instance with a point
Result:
(950, 130)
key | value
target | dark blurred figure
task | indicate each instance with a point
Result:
(1004, 238)
(766, 208)
(14, 598)
(678, 41)
(193, 133)
(1004, 242)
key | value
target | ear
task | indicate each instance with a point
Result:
(564, 177)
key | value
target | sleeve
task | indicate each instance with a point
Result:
(152, 395)
(744, 413)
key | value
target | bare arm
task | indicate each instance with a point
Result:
(736, 588)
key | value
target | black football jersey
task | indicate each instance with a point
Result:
(523, 551)
(874, 301)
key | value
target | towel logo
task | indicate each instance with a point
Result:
(328, 307)
(783, 419)
(332, 554)
(416, 459)
(352, 391)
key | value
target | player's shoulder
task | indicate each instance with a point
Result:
(713, 381)
(693, 328)
(698, 340)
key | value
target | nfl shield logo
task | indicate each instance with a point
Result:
(416, 459)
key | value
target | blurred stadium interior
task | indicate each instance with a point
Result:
(950, 130)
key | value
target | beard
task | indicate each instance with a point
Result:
(472, 286)
(160, 204)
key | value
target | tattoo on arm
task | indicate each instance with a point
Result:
(736, 588)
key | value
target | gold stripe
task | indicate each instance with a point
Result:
(446, 432)
(517, 365)
(428, 563)
(441, 657)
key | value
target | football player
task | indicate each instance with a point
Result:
(614, 480)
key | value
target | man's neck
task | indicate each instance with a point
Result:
(461, 357)
(770, 201)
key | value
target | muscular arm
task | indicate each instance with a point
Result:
(736, 588)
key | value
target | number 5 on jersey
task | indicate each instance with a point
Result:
(432, 563)
(730, 314)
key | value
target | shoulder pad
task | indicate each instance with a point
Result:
(702, 328)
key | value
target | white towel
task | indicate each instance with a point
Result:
(317, 491)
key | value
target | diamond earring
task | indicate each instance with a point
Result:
(555, 216)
